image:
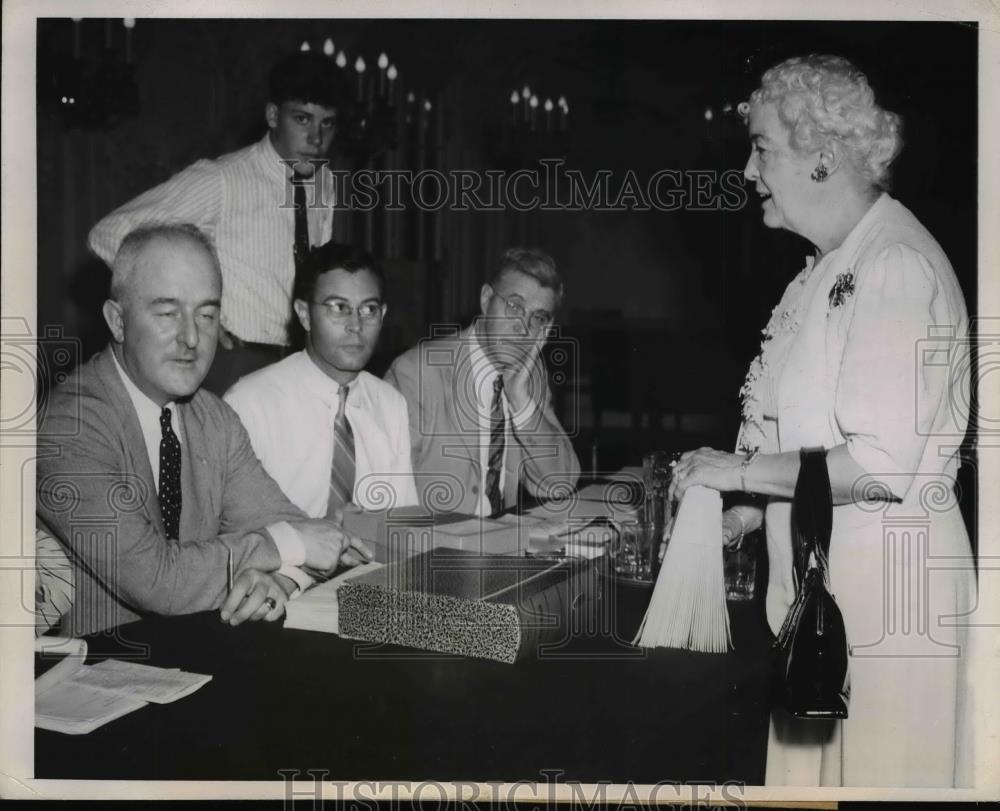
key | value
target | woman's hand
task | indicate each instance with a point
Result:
(733, 528)
(707, 467)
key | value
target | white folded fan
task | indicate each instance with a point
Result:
(688, 606)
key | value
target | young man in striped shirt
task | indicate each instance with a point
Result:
(263, 206)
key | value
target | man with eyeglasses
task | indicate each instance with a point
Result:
(328, 432)
(481, 418)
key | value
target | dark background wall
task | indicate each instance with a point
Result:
(664, 308)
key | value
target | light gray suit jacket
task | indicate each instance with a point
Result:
(436, 379)
(95, 491)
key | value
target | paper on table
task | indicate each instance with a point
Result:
(467, 527)
(74, 652)
(77, 710)
(155, 684)
(592, 492)
(583, 550)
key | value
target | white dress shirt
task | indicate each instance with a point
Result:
(288, 409)
(244, 202)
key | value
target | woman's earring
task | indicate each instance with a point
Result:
(820, 173)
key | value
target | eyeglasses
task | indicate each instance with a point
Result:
(342, 311)
(537, 319)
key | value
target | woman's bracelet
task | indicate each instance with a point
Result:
(747, 461)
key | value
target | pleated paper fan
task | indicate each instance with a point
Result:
(688, 606)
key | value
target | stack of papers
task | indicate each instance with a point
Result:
(76, 699)
(317, 609)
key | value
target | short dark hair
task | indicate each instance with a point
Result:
(532, 262)
(308, 77)
(334, 256)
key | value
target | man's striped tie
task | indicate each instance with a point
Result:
(497, 441)
(342, 471)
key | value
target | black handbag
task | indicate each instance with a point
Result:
(813, 675)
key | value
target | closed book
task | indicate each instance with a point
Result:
(458, 602)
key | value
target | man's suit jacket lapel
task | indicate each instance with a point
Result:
(132, 440)
(463, 406)
(199, 491)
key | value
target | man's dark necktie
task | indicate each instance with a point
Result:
(170, 476)
(342, 471)
(301, 247)
(497, 440)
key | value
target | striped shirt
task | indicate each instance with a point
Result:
(244, 202)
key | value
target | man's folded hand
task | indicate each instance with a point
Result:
(256, 595)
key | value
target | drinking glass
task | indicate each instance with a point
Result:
(635, 554)
(740, 567)
(657, 472)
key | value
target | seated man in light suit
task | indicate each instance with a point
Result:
(481, 418)
(150, 482)
(329, 432)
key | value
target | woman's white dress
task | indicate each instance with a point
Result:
(868, 347)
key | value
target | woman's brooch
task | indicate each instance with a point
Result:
(842, 288)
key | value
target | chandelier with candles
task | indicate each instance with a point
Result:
(528, 113)
(535, 126)
(376, 115)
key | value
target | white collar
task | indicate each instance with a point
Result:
(325, 386)
(144, 406)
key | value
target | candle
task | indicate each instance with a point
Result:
(392, 73)
(533, 103)
(548, 115)
(359, 66)
(526, 98)
(383, 64)
(304, 46)
(129, 23)
(328, 48)
(341, 60)
(514, 99)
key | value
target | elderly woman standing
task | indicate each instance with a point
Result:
(859, 357)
